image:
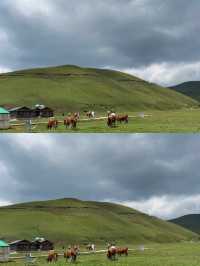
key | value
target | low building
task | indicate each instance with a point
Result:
(4, 251)
(22, 112)
(4, 119)
(44, 245)
(43, 112)
(20, 245)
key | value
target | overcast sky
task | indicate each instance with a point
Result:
(154, 39)
(157, 174)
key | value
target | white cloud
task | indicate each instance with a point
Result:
(167, 74)
(5, 203)
(29, 8)
(31, 143)
(5, 70)
(167, 207)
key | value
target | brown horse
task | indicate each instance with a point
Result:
(52, 124)
(122, 251)
(70, 121)
(112, 252)
(71, 254)
(122, 118)
(52, 256)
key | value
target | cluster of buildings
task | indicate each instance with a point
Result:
(26, 245)
(23, 112)
(39, 244)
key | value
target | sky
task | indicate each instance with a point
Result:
(154, 39)
(155, 173)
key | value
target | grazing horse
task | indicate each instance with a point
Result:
(89, 114)
(122, 251)
(77, 115)
(112, 252)
(90, 247)
(52, 256)
(70, 121)
(71, 254)
(122, 118)
(52, 124)
(111, 120)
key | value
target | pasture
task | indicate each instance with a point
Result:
(179, 121)
(182, 254)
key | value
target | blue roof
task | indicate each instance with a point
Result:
(3, 111)
(3, 244)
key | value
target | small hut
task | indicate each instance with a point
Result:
(43, 111)
(20, 245)
(4, 119)
(42, 244)
(22, 112)
(4, 251)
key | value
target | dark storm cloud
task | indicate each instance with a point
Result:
(97, 167)
(122, 34)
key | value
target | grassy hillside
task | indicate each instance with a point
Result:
(71, 88)
(191, 89)
(70, 220)
(191, 222)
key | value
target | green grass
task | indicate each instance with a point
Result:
(185, 254)
(179, 121)
(72, 221)
(71, 88)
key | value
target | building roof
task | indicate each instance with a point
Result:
(18, 108)
(19, 241)
(3, 244)
(3, 111)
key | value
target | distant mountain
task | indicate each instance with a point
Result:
(73, 88)
(72, 220)
(190, 88)
(190, 222)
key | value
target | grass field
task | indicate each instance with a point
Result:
(184, 254)
(179, 121)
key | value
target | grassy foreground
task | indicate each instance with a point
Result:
(180, 121)
(184, 254)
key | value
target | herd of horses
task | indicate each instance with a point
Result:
(71, 120)
(72, 253)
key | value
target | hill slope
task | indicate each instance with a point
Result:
(82, 221)
(190, 88)
(191, 222)
(71, 88)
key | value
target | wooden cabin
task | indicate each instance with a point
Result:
(20, 245)
(44, 245)
(43, 112)
(21, 112)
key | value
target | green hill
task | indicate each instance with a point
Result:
(72, 88)
(71, 220)
(190, 89)
(191, 222)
